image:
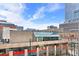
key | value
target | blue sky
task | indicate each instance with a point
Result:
(33, 15)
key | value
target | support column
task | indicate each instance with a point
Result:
(10, 53)
(60, 49)
(74, 49)
(55, 50)
(37, 39)
(78, 49)
(37, 51)
(7, 50)
(66, 49)
(26, 52)
(47, 51)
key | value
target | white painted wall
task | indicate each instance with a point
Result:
(6, 32)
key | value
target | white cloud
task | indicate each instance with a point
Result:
(53, 7)
(12, 13)
(38, 14)
(12, 7)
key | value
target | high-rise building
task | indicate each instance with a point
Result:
(71, 25)
(71, 12)
(71, 17)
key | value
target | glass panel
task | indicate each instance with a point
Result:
(45, 34)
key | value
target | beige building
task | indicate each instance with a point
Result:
(21, 36)
(15, 36)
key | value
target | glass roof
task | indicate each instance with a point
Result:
(46, 34)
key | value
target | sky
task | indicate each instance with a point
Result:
(33, 15)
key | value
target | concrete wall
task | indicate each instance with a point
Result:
(20, 36)
(69, 26)
(4, 46)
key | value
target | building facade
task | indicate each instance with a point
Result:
(4, 23)
(5, 28)
(69, 30)
(71, 12)
(46, 36)
(71, 23)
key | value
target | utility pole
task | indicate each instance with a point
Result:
(74, 49)
(30, 45)
(60, 48)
